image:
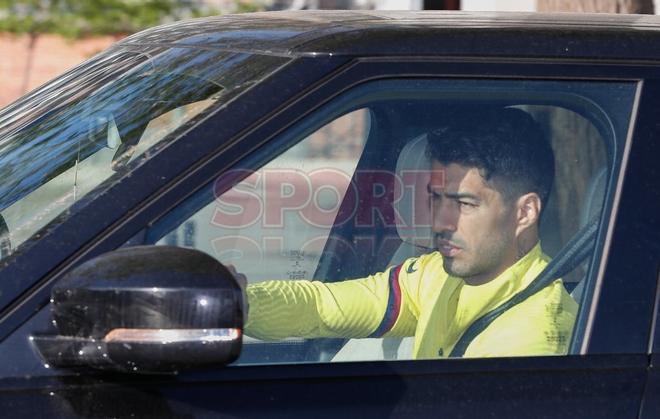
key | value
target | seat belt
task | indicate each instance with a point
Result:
(569, 257)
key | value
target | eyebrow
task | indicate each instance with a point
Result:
(450, 195)
(462, 196)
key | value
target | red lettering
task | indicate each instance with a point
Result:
(240, 206)
(285, 190)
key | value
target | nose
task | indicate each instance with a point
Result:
(445, 216)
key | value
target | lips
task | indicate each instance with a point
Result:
(447, 249)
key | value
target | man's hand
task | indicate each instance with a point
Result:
(240, 278)
(242, 282)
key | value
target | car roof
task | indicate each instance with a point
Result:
(423, 33)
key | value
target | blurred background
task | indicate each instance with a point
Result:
(40, 39)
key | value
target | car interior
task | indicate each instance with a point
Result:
(583, 136)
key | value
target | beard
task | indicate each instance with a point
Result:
(482, 260)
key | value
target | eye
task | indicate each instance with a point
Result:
(466, 205)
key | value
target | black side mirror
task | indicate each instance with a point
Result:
(147, 309)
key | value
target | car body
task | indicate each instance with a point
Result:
(86, 171)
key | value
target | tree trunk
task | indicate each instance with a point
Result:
(27, 74)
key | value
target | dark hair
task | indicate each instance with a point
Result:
(504, 143)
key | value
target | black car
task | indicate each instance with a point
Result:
(291, 145)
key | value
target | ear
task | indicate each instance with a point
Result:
(528, 211)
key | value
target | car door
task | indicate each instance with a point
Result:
(605, 370)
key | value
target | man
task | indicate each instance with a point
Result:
(492, 174)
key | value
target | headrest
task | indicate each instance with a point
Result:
(413, 170)
(593, 200)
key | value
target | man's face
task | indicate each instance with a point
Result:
(473, 224)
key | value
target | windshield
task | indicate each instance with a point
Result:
(65, 139)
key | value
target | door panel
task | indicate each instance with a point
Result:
(573, 387)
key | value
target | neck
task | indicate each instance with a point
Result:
(525, 243)
(522, 249)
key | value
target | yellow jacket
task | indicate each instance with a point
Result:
(419, 298)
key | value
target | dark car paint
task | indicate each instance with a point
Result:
(382, 33)
(598, 386)
(590, 385)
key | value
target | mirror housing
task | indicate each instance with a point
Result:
(145, 309)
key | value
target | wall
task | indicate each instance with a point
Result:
(52, 55)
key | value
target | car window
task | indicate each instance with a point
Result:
(347, 194)
(122, 105)
(278, 217)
